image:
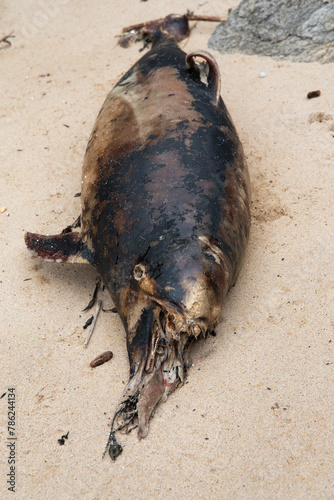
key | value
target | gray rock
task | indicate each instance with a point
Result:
(302, 30)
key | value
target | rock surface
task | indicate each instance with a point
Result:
(302, 30)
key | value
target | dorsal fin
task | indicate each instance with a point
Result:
(67, 247)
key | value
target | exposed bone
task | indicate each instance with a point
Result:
(214, 73)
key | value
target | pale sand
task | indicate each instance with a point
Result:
(255, 419)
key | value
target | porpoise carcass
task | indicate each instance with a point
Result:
(165, 214)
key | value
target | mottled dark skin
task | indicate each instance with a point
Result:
(165, 213)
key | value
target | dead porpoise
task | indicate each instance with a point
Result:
(165, 214)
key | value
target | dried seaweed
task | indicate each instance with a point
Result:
(92, 301)
(68, 229)
(124, 421)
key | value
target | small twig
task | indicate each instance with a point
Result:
(213, 19)
(90, 331)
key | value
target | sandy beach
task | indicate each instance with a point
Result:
(255, 419)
